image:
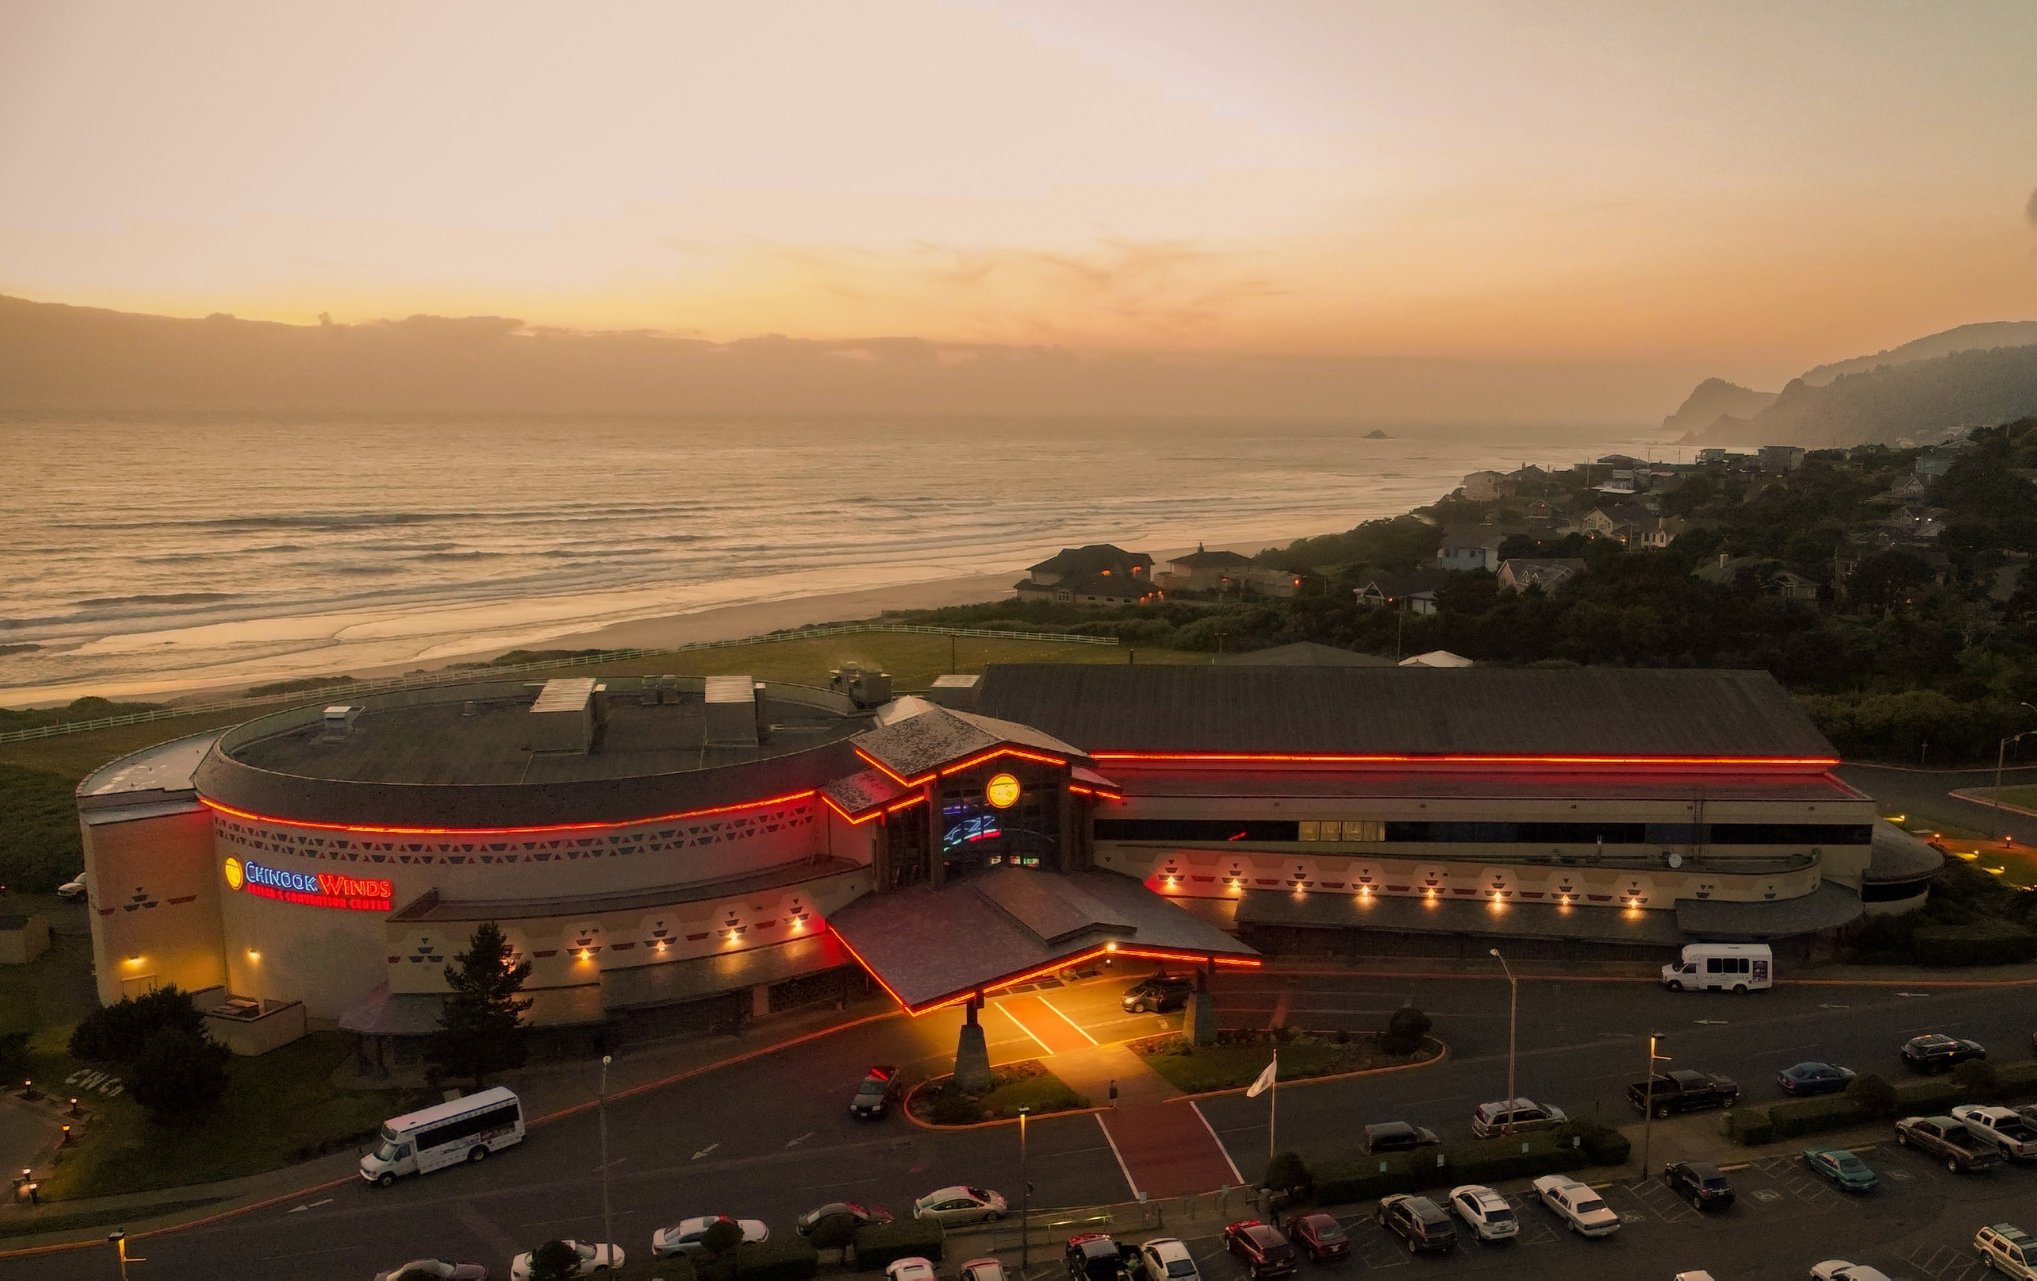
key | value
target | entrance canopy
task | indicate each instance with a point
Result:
(932, 947)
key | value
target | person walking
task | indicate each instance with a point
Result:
(1113, 1094)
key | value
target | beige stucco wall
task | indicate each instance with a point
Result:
(154, 893)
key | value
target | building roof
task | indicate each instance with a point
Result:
(1620, 712)
(920, 744)
(928, 946)
(1308, 654)
(1828, 907)
(1898, 856)
(1201, 559)
(1090, 559)
(1436, 658)
(1119, 586)
(1483, 537)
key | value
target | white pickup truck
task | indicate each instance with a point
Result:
(2010, 1131)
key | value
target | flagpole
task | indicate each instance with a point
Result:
(1273, 1107)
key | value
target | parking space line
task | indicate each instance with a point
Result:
(1044, 1047)
(1197, 1109)
(1122, 1167)
(1065, 1019)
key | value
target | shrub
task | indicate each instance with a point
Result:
(1405, 1030)
(790, 1259)
(116, 1033)
(1344, 1184)
(835, 1232)
(1927, 1097)
(1749, 1126)
(554, 1261)
(1875, 1097)
(1604, 1145)
(721, 1236)
(952, 1107)
(1813, 1116)
(1287, 1172)
(2016, 1080)
(1977, 1077)
(879, 1244)
(1982, 943)
(179, 1076)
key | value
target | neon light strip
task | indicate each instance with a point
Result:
(1383, 758)
(864, 816)
(958, 767)
(786, 799)
(1103, 949)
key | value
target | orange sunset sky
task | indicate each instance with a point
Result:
(1747, 187)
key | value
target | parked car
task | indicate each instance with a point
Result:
(1514, 1116)
(1841, 1168)
(1489, 1215)
(1266, 1253)
(911, 1268)
(960, 1204)
(1950, 1140)
(1582, 1210)
(1161, 993)
(1669, 1093)
(435, 1270)
(863, 1215)
(1936, 1052)
(1814, 1078)
(687, 1235)
(875, 1095)
(73, 891)
(1168, 1259)
(1841, 1270)
(1700, 1183)
(1395, 1136)
(981, 1270)
(595, 1256)
(1693, 1276)
(2007, 1249)
(1095, 1256)
(2007, 1129)
(1419, 1222)
(1319, 1235)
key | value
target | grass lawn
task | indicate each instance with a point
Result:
(1026, 1085)
(279, 1107)
(1194, 1069)
(2024, 796)
(55, 989)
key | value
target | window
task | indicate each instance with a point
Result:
(466, 1127)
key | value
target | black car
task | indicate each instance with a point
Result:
(1814, 1078)
(1419, 1222)
(858, 1214)
(876, 1094)
(1936, 1052)
(1395, 1136)
(1095, 1256)
(1700, 1183)
(1160, 993)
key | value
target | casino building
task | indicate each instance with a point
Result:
(651, 842)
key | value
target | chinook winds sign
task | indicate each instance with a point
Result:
(326, 889)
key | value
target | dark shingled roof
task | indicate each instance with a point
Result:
(938, 736)
(1402, 710)
(1308, 654)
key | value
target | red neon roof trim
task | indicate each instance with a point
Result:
(1010, 980)
(1389, 758)
(958, 767)
(211, 804)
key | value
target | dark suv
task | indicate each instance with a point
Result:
(876, 1094)
(1419, 1222)
(1700, 1183)
(1396, 1136)
(1936, 1052)
(1160, 993)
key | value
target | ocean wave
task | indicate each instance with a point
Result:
(441, 556)
(156, 598)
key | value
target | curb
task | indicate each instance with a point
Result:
(905, 1106)
(646, 1087)
(1971, 797)
(1442, 1056)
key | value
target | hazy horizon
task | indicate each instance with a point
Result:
(1500, 213)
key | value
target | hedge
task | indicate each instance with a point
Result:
(2016, 1080)
(1749, 1126)
(783, 1259)
(1799, 1117)
(1981, 944)
(1927, 1097)
(1573, 1147)
(879, 1244)
(680, 1268)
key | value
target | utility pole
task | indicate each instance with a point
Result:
(607, 1220)
(1025, 1204)
(1648, 1094)
(1513, 1022)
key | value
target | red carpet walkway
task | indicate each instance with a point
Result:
(1167, 1150)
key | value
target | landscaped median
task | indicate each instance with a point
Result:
(1026, 1085)
(1573, 1146)
(1236, 1061)
(1870, 1099)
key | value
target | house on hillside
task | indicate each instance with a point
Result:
(1475, 547)
(1205, 571)
(1778, 459)
(1520, 573)
(1486, 487)
(1382, 590)
(1263, 580)
(1099, 574)
(1916, 523)
(1909, 488)
(1664, 531)
(1786, 584)
(1529, 479)
(1624, 522)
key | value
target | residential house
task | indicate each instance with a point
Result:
(1098, 574)
(1931, 465)
(1710, 455)
(1664, 531)
(1908, 488)
(1475, 547)
(1529, 479)
(1422, 602)
(1206, 571)
(1916, 523)
(1382, 590)
(1792, 586)
(1261, 580)
(1626, 522)
(1520, 573)
(1766, 571)
(1486, 487)
(1781, 458)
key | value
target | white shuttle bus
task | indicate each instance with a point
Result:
(445, 1134)
(1729, 967)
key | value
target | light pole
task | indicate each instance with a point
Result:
(2002, 750)
(1513, 1023)
(607, 1221)
(1648, 1095)
(118, 1240)
(1025, 1204)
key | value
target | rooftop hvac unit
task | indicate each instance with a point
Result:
(562, 716)
(863, 687)
(339, 722)
(732, 716)
(469, 708)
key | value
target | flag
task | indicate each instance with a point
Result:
(1265, 1081)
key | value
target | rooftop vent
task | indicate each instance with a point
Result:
(864, 688)
(735, 711)
(563, 715)
(339, 722)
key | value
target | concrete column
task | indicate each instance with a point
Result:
(760, 1000)
(880, 855)
(972, 1052)
(937, 867)
(1199, 1019)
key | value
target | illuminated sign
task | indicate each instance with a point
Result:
(1002, 791)
(325, 889)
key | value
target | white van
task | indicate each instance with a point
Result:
(1732, 967)
(446, 1134)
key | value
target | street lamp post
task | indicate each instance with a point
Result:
(1513, 1023)
(118, 1240)
(1025, 1203)
(607, 1219)
(1648, 1095)
(2001, 751)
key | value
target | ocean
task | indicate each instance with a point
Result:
(159, 554)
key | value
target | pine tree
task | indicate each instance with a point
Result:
(481, 1029)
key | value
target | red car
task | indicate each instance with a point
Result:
(1320, 1237)
(1266, 1253)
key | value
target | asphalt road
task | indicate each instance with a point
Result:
(771, 1138)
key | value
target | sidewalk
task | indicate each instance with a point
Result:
(549, 1092)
